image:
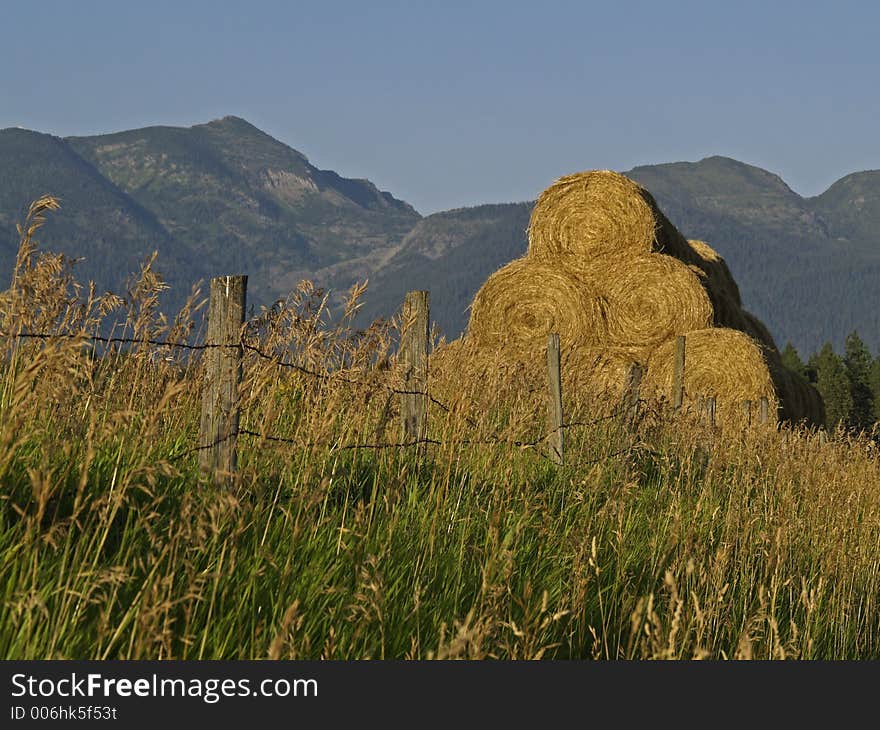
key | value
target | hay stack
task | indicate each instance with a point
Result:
(719, 362)
(596, 372)
(525, 300)
(650, 298)
(800, 402)
(608, 271)
(758, 331)
(600, 213)
(718, 276)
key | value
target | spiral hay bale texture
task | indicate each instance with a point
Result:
(650, 298)
(597, 213)
(525, 300)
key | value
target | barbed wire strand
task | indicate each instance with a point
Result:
(244, 346)
(335, 446)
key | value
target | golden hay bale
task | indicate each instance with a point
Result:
(719, 362)
(800, 402)
(758, 330)
(718, 276)
(601, 212)
(587, 372)
(449, 357)
(651, 298)
(723, 292)
(521, 303)
(596, 371)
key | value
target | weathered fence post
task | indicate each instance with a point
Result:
(414, 355)
(556, 434)
(678, 374)
(710, 411)
(747, 411)
(630, 403)
(764, 410)
(218, 434)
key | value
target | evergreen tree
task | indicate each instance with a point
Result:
(857, 361)
(792, 360)
(833, 385)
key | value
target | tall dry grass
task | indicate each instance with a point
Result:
(657, 540)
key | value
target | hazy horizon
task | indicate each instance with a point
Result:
(461, 105)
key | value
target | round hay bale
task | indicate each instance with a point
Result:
(719, 283)
(758, 330)
(601, 212)
(524, 301)
(596, 371)
(719, 362)
(726, 313)
(596, 374)
(800, 402)
(718, 276)
(792, 405)
(449, 357)
(651, 298)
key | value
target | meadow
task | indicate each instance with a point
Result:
(658, 539)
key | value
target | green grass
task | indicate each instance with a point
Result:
(662, 541)
(391, 555)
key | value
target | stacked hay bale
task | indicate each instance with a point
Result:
(610, 273)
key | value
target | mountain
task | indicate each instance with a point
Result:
(213, 198)
(240, 200)
(225, 197)
(110, 230)
(852, 207)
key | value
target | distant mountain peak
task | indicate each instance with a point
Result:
(869, 177)
(231, 119)
(232, 122)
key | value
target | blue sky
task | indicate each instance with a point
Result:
(451, 104)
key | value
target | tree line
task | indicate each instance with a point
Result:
(849, 383)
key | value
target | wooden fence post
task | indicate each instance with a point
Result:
(630, 403)
(764, 410)
(218, 434)
(678, 374)
(556, 435)
(414, 355)
(747, 412)
(710, 411)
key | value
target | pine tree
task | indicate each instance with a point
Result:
(833, 385)
(857, 361)
(792, 360)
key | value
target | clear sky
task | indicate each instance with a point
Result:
(447, 104)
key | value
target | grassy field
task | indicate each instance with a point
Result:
(658, 540)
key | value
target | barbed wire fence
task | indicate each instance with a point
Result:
(225, 348)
